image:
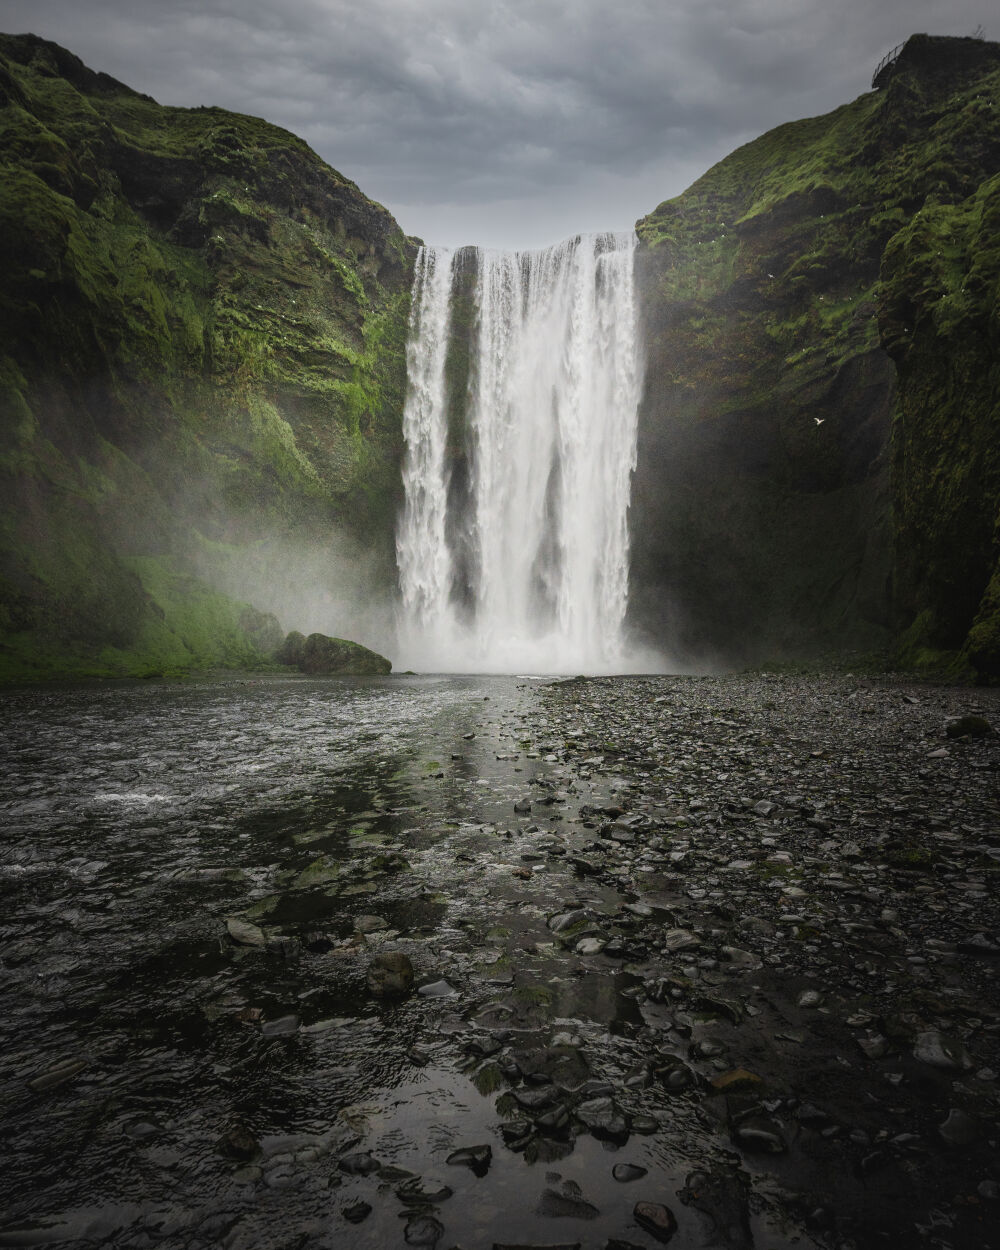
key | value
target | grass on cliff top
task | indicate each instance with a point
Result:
(815, 155)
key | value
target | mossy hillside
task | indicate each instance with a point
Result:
(759, 507)
(203, 333)
(763, 292)
(940, 293)
(185, 627)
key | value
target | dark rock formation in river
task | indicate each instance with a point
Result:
(819, 461)
(201, 368)
(319, 654)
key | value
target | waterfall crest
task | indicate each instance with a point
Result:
(524, 377)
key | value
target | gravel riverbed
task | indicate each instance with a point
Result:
(501, 962)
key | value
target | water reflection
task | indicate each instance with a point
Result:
(141, 1044)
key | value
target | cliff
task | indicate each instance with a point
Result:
(818, 455)
(202, 366)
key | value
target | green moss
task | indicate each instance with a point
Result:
(202, 334)
(776, 289)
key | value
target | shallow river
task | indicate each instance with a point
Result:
(171, 1079)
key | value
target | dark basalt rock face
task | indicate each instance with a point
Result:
(202, 365)
(818, 454)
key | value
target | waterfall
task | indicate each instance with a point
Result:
(524, 375)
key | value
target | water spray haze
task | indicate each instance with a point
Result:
(513, 545)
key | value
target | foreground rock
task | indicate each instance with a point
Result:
(390, 975)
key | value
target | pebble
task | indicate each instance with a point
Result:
(361, 1164)
(478, 1158)
(282, 1027)
(437, 989)
(244, 933)
(934, 1048)
(628, 1172)
(420, 1190)
(370, 924)
(238, 1143)
(58, 1075)
(390, 974)
(603, 1118)
(656, 1219)
(423, 1230)
(556, 1205)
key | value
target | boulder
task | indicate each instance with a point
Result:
(390, 975)
(319, 654)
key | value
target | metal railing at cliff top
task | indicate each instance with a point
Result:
(889, 59)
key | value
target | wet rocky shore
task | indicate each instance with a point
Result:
(499, 962)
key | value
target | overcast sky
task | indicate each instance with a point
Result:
(509, 123)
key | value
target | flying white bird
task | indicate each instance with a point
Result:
(819, 420)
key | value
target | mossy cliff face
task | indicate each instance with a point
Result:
(776, 508)
(202, 366)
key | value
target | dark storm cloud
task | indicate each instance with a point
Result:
(541, 113)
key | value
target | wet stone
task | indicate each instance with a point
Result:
(554, 1123)
(361, 1164)
(567, 920)
(423, 1190)
(940, 1051)
(536, 1098)
(238, 1143)
(628, 1172)
(556, 1205)
(243, 933)
(478, 1158)
(516, 1133)
(284, 1026)
(659, 1221)
(980, 945)
(423, 1230)
(370, 924)
(58, 1075)
(390, 975)
(357, 1212)
(760, 1136)
(437, 989)
(603, 1119)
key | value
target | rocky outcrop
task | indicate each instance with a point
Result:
(202, 363)
(321, 655)
(817, 448)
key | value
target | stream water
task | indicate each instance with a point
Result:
(167, 1085)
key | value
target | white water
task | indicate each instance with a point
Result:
(527, 567)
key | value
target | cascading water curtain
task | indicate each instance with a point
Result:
(546, 434)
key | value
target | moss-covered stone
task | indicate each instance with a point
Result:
(321, 654)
